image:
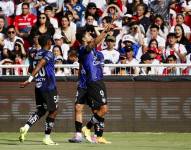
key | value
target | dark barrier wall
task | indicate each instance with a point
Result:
(134, 106)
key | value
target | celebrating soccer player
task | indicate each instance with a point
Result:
(45, 90)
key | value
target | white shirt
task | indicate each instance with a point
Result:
(179, 47)
(65, 48)
(7, 7)
(185, 27)
(54, 22)
(111, 55)
(161, 41)
(10, 44)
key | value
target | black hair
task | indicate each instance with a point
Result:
(153, 40)
(172, 56)
(108, 19)
(10, 26)
(154, 26)
(27, 4)
(163, 24)
(43, 39)
(48, 8)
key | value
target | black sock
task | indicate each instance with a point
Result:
(78, 126)
(99, 127)
(33, 119)
(49, 125)
(94, 120)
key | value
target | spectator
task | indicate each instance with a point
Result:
(129, 41)
(18, 51)
(110, 53)
(131, 7)
(143, 19)
(100, 4)
(57, 51)
(40, 6)
(59, 42)
(76, 7)
(8, 9)
(115, 13)
(18, 55)
(171, 59)
(180, 20)
(59, 71)
(146, 59)
(2, 26)
(66, 31)
(71, 18)
(163, 28)
(42, 26)
(9, 42)
(154, 34)
(180, 35)
(92, 9)
(50, 13)
(153, 46)
(174, 48)
(73, 59)
(128, 58)
(24, 22)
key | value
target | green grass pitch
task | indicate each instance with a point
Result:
(120, 141)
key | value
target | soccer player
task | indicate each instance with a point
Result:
(91, 89)
(45, 90)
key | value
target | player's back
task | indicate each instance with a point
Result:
(45, 79)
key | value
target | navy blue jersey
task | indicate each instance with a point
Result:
(45, 78)
(92, 65)
(82, 78)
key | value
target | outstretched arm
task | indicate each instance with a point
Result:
(102, 35)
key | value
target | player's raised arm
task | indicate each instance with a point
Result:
(93, 43)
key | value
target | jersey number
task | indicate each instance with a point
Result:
(41, 71)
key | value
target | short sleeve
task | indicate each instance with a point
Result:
(48, 56)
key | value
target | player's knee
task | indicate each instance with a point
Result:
(104, 109)
(53, 114)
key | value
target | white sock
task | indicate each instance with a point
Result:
(27, 127)
(47, 135)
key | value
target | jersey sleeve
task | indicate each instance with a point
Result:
(48, 56)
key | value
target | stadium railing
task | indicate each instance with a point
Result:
(109, 69)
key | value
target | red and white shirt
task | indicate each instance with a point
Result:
(23, 22)
(178, 47)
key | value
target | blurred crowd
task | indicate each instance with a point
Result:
(145, 32)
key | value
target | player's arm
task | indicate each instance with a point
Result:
(99, 38)
(41, 64)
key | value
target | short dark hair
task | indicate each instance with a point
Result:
(172, 56)
(27, 4)
(43, 39)
(48, 8)
(108, 19)
(10, 26)
(154, 26)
